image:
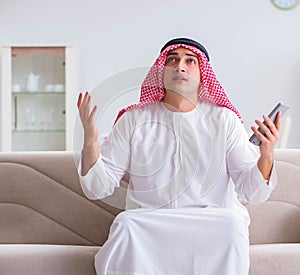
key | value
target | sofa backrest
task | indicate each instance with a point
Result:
(41, 201)
(278, 219)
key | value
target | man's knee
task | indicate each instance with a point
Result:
(235, 228)
(125, 220)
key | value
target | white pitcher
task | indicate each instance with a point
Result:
(32, 82)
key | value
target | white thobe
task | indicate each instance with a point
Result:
(189, 172)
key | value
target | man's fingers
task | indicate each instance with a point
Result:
(262, 126)
(82, 100)
(258, 133)
(84, 105)
(93, 112)
(277, 122)
(86, 98)
(79, 101)
(271, 130)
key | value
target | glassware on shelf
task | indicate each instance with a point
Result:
(61, 120)
(49, 119)
(59, 88)
(30, 120)
(49, 88)
(16, 88)
(32, 82)
(34, 96)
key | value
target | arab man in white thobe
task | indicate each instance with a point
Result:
(191, 168)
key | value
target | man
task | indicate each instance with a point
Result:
(190, 165)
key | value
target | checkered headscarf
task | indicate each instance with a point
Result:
(210, 90)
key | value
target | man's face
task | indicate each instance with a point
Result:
(181, 72)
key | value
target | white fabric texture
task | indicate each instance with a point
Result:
(191, 170)
(176, 242)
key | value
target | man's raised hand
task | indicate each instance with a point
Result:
(90, 152)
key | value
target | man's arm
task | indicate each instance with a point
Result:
(247, 166)
(268, 142)
(90, 152)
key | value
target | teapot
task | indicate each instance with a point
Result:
(32, 82)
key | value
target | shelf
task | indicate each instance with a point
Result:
(37, 131)
(37, 97)
(38, 93)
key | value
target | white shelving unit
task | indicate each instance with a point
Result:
(39, 87)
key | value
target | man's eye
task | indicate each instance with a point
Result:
(191, 61)
(171, 59)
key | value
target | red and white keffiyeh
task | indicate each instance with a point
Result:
(210, 90)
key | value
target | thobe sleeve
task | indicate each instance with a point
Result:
(241, 160)
(112, 164)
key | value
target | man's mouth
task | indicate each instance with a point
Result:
(179, 77)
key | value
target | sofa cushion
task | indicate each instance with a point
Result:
(275, 259)
(47, 259)
(274, 222)
(278, 219)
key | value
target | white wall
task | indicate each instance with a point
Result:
(254, 47)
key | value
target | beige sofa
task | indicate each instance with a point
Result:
(48, 227)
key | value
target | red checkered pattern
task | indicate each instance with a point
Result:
(210, 90)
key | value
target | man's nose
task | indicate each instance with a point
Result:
(180, 66)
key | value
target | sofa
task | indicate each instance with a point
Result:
(48, 226)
